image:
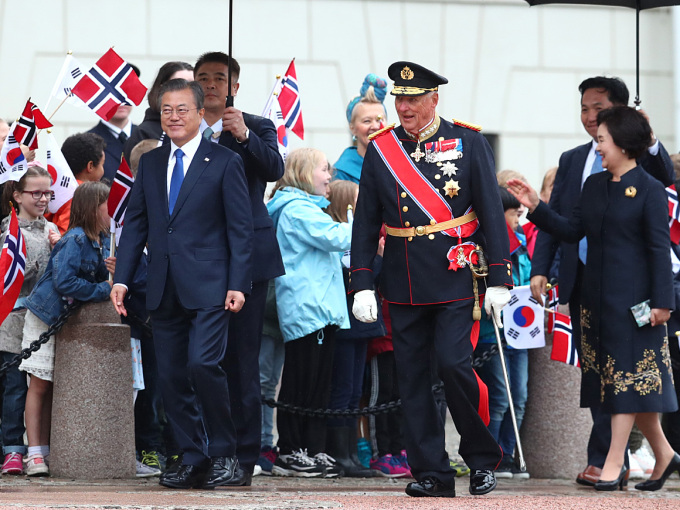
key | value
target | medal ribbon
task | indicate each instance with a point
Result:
(417, 186)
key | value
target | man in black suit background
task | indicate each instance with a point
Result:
(575, 166)
(190, 207)
(254, 139)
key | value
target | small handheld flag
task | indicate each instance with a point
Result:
(289, 99)
(26, 130)
(13, 164)
(120, 192)
(563, 348)
(12, 266)
(64, 183)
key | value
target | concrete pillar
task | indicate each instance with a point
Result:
(555, 430)
(93, 434)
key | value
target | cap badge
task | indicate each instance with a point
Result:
(406, 73)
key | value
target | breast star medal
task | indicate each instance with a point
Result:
(451, 188)
(449, 169)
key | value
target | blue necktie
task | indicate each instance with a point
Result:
(583, 244)
(176, 179)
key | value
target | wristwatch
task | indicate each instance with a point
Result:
(247, 137)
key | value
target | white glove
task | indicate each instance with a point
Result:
(496, 298)
(365, 307)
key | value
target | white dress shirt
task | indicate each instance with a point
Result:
(189, 150)
(216, 129)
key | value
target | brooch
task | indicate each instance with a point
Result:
(631, 191)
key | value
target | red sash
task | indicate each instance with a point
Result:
(426, 196)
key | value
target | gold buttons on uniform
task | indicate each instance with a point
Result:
(407, 223)
(430, 237)
(410, 239)
(509, 266)
(433, 222)
(437, 176)
(509, 273)
(405, 208)
(403, 194)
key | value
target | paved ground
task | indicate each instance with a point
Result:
(287, 493)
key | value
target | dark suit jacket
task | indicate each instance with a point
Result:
(565, 196)
(113, 150)
(263, 164)
(205, 245)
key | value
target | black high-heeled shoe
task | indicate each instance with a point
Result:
(619, 483)
(655, 485)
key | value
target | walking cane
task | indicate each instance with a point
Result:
(522, 464)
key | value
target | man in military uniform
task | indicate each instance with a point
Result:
(432, 183)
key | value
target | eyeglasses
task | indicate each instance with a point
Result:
(37, 194)
(181, 111)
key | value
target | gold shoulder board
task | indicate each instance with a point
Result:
(474, 127)
(382, 131)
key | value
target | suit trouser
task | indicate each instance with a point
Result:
(190, 344)
(242, 366)
(601, 432)
(454, 334)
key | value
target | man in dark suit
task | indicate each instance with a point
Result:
(190, 206)
(575, 166)
(254, 139)
(432, 183)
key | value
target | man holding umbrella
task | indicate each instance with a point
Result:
(597, 93)
(432, 183)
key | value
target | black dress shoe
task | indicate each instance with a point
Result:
(655, 485)
(431, 487)
(221, 472)
(482, 481)
(612, 485)
(186, 477)
(240, 479)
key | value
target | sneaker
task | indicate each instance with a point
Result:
(504, 469)
(389, 467)
(35, 466)
(146, 471)
(636, 472)
(324, 460)
(402, 458)
(645, 460)
(151, 459)
(257, 470)
(365, 452)
(518, 474)
(267, 458)
(297, 463)
(459, 467)
(14, 464)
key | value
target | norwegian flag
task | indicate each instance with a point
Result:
(552, 301)
(673, 213)
(272, 111)
(64, 183)
(289, 99)
(32, 119)
(563, 348)
(13, 164)
(110, 83)
(12, 266)
(120, 192)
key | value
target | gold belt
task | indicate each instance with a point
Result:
(430, 229)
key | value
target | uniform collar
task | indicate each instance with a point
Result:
(428, 131)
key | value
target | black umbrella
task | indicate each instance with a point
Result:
(638, 5)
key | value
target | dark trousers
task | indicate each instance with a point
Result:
(449, 328)
(190, 344)
(601, 432)
(13, 404)
(147, 405)
(306, 382)
(386, 435)
(349, 360)
(242, 366)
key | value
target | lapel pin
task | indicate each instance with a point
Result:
(631, 191)
(206, 159)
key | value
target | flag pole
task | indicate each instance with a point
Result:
(271, 95)
(112, 246)
(230, 97)
(59, 106)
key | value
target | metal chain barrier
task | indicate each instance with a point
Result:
(42, 339)
(478, 361)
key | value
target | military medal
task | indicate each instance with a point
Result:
(451, 188)
(449, 169)
(417, 154)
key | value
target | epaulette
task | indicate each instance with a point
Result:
(474, 127)
(384, 130)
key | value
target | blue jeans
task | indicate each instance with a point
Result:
(272, 354)
(517, 364)
(349, 361)
(13, 404)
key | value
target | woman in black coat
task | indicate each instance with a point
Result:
(623, 214)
